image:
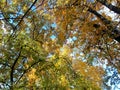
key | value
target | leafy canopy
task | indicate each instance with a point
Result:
(57, 44)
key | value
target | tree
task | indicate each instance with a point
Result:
(38, 38)
(89, 26)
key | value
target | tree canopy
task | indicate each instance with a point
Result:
(59, 44)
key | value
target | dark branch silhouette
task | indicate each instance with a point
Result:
(25, 71)
(115, 33)
(110, 6)
(99, 16)
(12, 68)
(24, 15)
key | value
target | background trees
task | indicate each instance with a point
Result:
(57, 44)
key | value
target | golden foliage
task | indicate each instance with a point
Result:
(31, 76)
(91, 73)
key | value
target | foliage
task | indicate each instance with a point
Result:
(58, 44)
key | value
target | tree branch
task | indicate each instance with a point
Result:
(12, 68)
(15, 28)
(25, 71)
(25, 15)
(110, 6)
(115, 33)
(39, 5)
(103, 19)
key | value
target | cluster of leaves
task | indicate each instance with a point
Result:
(55, 44)
(28, 66)
(96, 33)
